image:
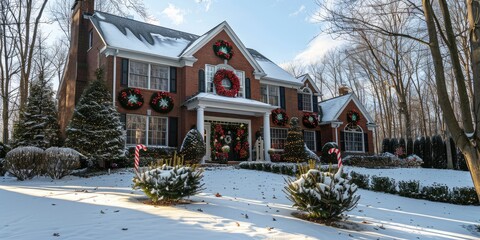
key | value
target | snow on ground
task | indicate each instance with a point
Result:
(426, 176)
(252, 205)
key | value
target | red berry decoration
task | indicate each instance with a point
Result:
(161, 102)
(130, 98)
(310, 119)
(224, 74)
(353, 117)
(223, 49)
(279, 117)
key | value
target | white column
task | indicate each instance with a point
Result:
(201, 123)
(266, 135)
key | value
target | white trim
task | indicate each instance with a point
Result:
(314, 139)
(149, 75)
(306, 77)
(268, 94)
(234, 120)
(358, 104)
(362, 137)
(278, 82)
(308, 94)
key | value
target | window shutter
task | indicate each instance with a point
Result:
(300, 102)
(124, 77)
(123, 120)
(318, 139)
(342, 140)
(173, 79)
(365, 141)
(282, 98)
(315, 103)
(201, 80)
(172, 131)
(248, 92)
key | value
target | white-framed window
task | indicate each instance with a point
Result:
(307, 103)
(353, 138)
(310, 141)
(210, 71)
(278, 137)
(270, 94)
(148, 130)
(90, 39)
(148, 76)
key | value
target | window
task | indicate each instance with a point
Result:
(353, 138)
(137, 130)
(270, 94)
(309, 138)
(307, 99)
(278, 137)
(90, 39)
(149, 76)
(210, 71)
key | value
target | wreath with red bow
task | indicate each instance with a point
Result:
(279, 117)
(310, 119)
(130, 98)
(223, 49)
(161, 102)
(224, 74)
(353, 116)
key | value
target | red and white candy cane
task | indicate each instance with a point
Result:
(137, 156)
(339, 155)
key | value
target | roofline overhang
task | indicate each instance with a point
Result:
(213, 105)
(149, 57)
(283, 83)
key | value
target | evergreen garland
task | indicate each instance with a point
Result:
(130, 98)
(37, 125)
(95, 129)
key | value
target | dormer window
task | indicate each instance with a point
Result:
(307, 102)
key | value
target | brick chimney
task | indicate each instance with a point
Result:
(343, 89)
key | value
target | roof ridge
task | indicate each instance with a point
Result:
(336, 97)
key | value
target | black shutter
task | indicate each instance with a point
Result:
(318, 139)
(173, 79)
(172, 131)
(282, 98)
(365, 141)
(248, 92)
(123, 120)
(201, 80)
(315, 104)
(342, 140)
(124, 77)
(300, 102)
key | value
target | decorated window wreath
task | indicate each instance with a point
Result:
(229, 78)
(353, 117)
(161, 102)
(130, 98)
(310, 119)
(223, 49)
(279, 117)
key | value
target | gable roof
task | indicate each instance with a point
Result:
(306, 77)
(124, 34)
(332, 108)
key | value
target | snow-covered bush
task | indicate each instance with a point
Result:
(193, 147)
(409, 189)
(322, 195)
(60, 162)
(25, 162)
(384, 160)
(361, 180)
(464, 196)
(436, 192)
(3, 151)
(169, 184)
(326, 157)
(383, 184)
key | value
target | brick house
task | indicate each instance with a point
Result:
(153, 59)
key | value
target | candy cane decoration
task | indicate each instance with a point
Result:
(137, 156)
(339, 155)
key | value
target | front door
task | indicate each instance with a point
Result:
(228, 141)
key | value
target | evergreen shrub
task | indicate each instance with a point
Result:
(383, 184)
(25, 162)
(464, 196)
(436, 192)
(361, 180)
(60, 162)
(409, 189)
(193, 147)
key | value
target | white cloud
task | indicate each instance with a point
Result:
(206, 2)
(176, 15)
(300, 10)
(316, 49)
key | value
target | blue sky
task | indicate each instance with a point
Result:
(282, 30)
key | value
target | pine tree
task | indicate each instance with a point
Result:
(193, 147)
(427, 153)
(294, 147)
(37, 124)
(385, 145)
(409, 146)
(95, 129)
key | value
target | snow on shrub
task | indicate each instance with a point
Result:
(24, 162)
(383, 184)
(322, 195)
(169, 184)
(384, 160)
(193, 147)
(60, 162)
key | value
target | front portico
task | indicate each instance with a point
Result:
(211, 103)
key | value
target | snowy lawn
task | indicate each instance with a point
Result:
(252, 205)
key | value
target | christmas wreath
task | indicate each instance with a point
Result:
(130, 98)
(229, 76)
(161, 102)
(310, 119)
(223, 49)
(353, 116)
(279, 117)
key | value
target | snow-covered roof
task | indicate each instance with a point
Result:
(236, 105)
(139, 37)
(306, 77)
(332, 108)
